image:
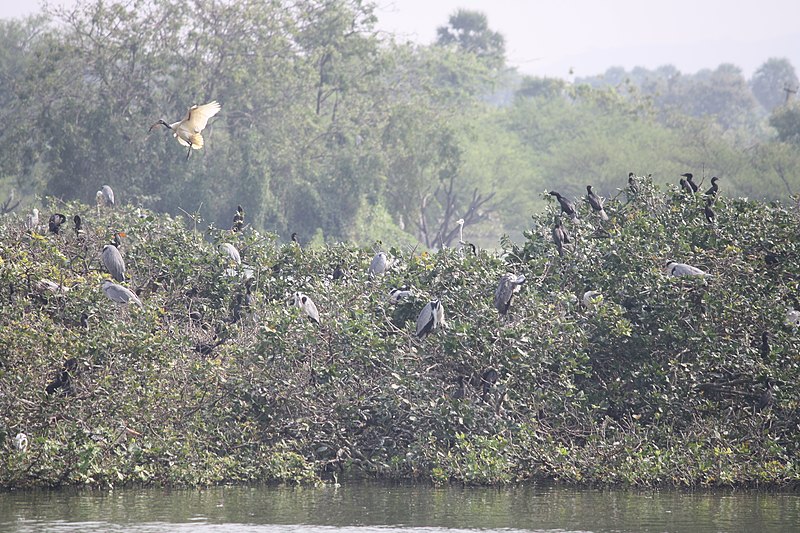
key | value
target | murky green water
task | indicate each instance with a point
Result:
(366, 507)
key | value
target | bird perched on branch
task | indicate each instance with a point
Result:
(33, 220)
(596, 202)
(708, 211)
(120, 294)
(238, 219)
(560, 236)
(397, 295)
(690, 181)
(54, 224)
(230, 251)
(306, 305)
(714, 189)
(379, 265)
(566, 206)
(430, 318)
(187, 131)
(509, 285)
(104, 197)
(682, 269)
(112, 259)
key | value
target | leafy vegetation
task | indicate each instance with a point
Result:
(335, 132)
(656, 381)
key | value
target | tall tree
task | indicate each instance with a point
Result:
(770, 82)
(469, 31)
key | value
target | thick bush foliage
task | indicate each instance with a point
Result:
(657, 380)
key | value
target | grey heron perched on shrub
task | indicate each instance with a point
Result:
(430, 318)
(379, 265)
(112, 258)
(567, 206)
(230, 251)
(396, 295)
(54, 224)
(714, 189)
(682, 269)
(306, 305)
(560, 236)
(107, 194)
(509, 285)
(120, 294)
(596, 203)
(188, 130)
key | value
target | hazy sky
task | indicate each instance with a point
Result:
(547, 38)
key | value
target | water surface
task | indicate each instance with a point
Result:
(372, 507)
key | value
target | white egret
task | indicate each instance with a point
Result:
(509, 285)
(682, 269)
(307, 305)
(32, 222)
(120, 294)
(596, 203)
(21, 442)
(430, 318)
(187, 131)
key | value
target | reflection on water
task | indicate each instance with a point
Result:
(370, 507)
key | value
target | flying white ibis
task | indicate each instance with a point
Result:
(187, 131)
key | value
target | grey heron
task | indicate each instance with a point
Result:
(112, 258)
(682, 269)
(230, 251)
(379, 265)
(430, 318)
(108, 195)
(567, 206)
(397, 295)
(596, 203)
(509, 285)
(187, 131)
(119, 294)
(46, 285)
(307, 305)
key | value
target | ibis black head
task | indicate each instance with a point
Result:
(688, 175)
(160, 123)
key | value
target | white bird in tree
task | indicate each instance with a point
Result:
(430, 318)
(32, 222)
(682, 269)
(120, 294)
(307, 305)
(460, 223)
(21, 442)
(187, 131)
(230, 251)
